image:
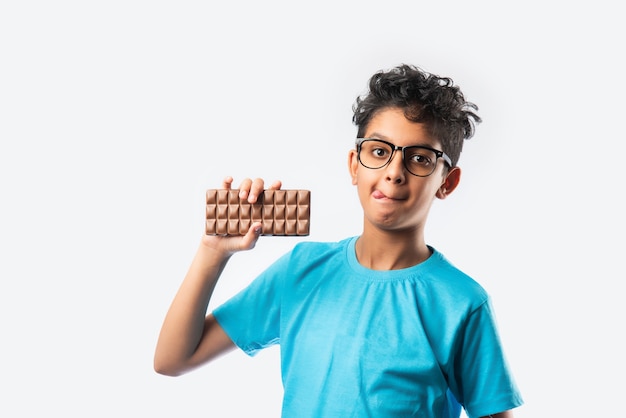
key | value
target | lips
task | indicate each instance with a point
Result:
(377, 194)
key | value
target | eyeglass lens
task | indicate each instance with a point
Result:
(417, 160)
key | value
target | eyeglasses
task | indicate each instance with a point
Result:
(419, 160)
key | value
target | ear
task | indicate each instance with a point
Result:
(449, 183)
(353, 165)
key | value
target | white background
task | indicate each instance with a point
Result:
(116, 116)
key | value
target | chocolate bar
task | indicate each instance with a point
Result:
(281, 212)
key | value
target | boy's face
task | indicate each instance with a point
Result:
(392, 198)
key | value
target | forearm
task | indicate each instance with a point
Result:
(185, 322)
(188, 336)
(505, 414)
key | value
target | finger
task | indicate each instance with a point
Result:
(276, 185)
(249, 240)
(256, 189)
(244, 188)
(227, 182)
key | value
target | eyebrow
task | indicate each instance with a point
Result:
(376, 135)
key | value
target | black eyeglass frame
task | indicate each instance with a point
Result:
(394, 148)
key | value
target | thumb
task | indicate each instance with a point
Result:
(249, 240)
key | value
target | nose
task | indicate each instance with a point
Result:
(395, 171)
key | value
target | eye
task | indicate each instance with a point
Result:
(422, 158)
(380, 152)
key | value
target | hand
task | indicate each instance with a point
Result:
(248, 189)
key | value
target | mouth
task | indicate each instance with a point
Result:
(380, 196)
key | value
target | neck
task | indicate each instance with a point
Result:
(383, 250)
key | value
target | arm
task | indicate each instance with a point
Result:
(505, 414)
(189, 337)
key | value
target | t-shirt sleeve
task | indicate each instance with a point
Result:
(251, 318)
(482, 380)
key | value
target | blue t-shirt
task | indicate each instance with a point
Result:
(355, 342)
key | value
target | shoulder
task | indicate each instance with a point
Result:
(315, 254)
(317, 249)
(455, 282)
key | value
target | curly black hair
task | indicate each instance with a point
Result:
(424, 98)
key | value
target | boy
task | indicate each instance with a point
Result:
(376, 325)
